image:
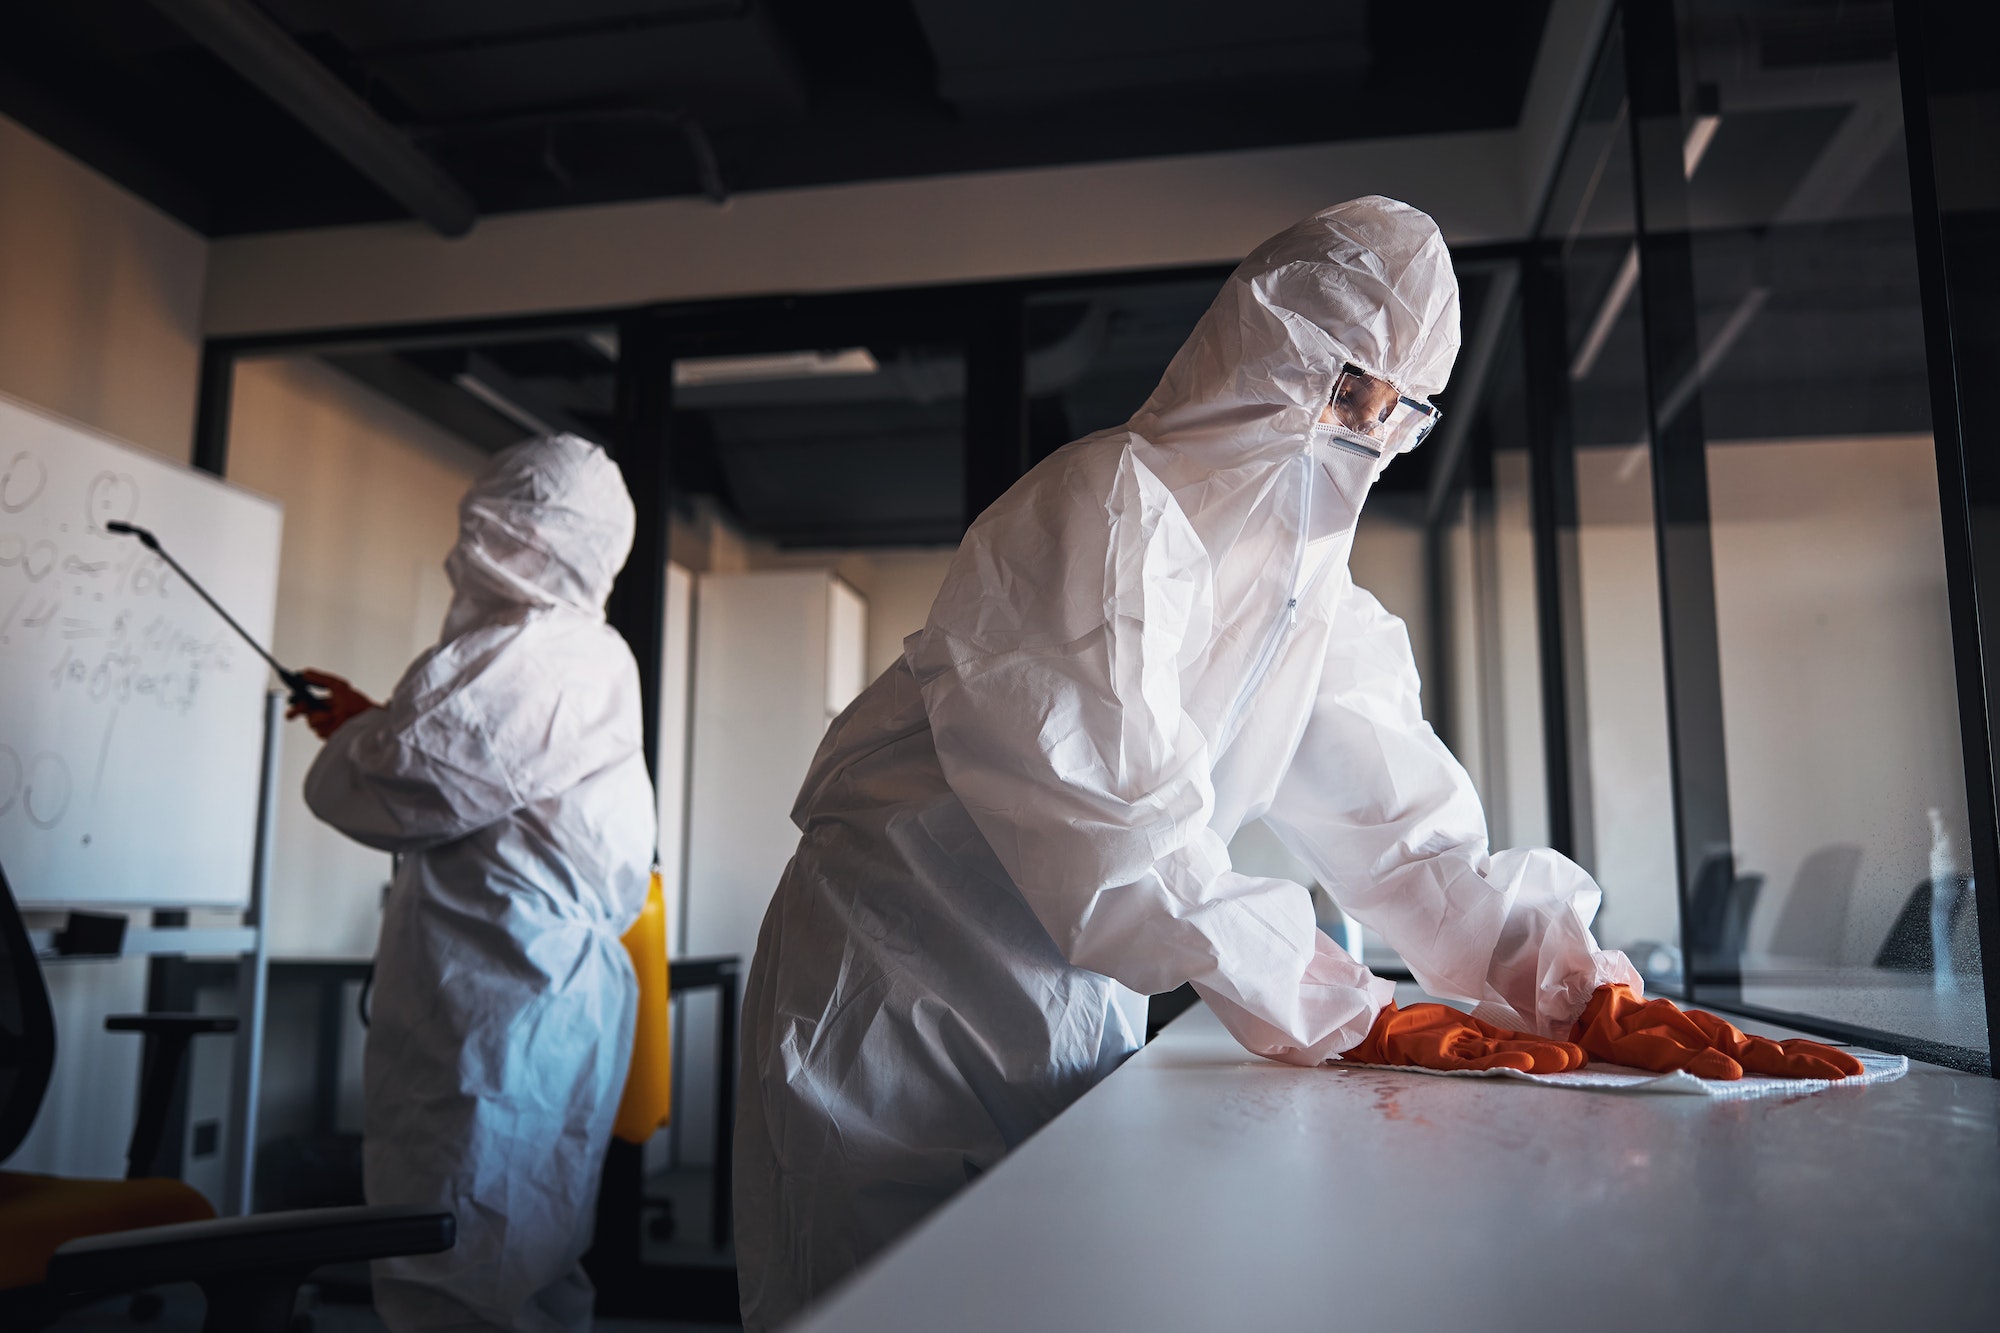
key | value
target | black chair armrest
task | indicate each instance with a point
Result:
(167, 1037)
(165, 1025)
(259, 1244)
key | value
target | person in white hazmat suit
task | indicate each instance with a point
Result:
(1021, 829)
(506, 772)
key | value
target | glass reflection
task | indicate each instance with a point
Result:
(1851, 895)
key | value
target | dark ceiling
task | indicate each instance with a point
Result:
(545, 103)
(529, 104)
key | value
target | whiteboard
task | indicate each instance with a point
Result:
(131, 719)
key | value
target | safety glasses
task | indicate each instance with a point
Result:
(1370, 407)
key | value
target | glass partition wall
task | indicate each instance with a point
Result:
(1839, 709)
(1749, 725)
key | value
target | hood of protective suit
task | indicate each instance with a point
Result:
(547, 525)
(1230, 431)
(1367, 281)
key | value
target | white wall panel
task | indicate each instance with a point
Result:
(777, 653)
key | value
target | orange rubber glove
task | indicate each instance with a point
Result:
(1436, 1036)
(1653, 1034)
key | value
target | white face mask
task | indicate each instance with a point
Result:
(1328, 435)
(1343, 470)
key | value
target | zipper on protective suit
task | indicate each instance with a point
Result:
(1269, 652)
(1275, 639)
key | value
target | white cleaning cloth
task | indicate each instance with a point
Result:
(1875, 1068)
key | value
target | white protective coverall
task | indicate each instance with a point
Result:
(1020, 829)
(507, 772)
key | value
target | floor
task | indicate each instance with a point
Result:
(183, 1311)
(679, 1225)
(686, 1198)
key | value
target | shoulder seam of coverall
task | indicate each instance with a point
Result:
(1052, 648)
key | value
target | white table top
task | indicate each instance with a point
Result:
(1199, 1188)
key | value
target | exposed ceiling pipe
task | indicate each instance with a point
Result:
(707, 168)
(521, 404)
(265, 55)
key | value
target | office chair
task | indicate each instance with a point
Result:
(1720, 907)
(1910, 945)
(64, 1241)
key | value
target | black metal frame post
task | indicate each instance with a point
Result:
(1439, 607)
(729, 988)
(214, 397)
(627, 1285)
(1485, 537)
(1558, 577)
(996, 398)
(643, 449)
(637, 610)
(1699, 763)
(1947, 69)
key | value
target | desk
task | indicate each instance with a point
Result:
(627, 1285)
(1199, 1188)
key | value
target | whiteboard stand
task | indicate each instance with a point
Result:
(249, 943)
(253, 977)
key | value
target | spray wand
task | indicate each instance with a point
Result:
(304, 694)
